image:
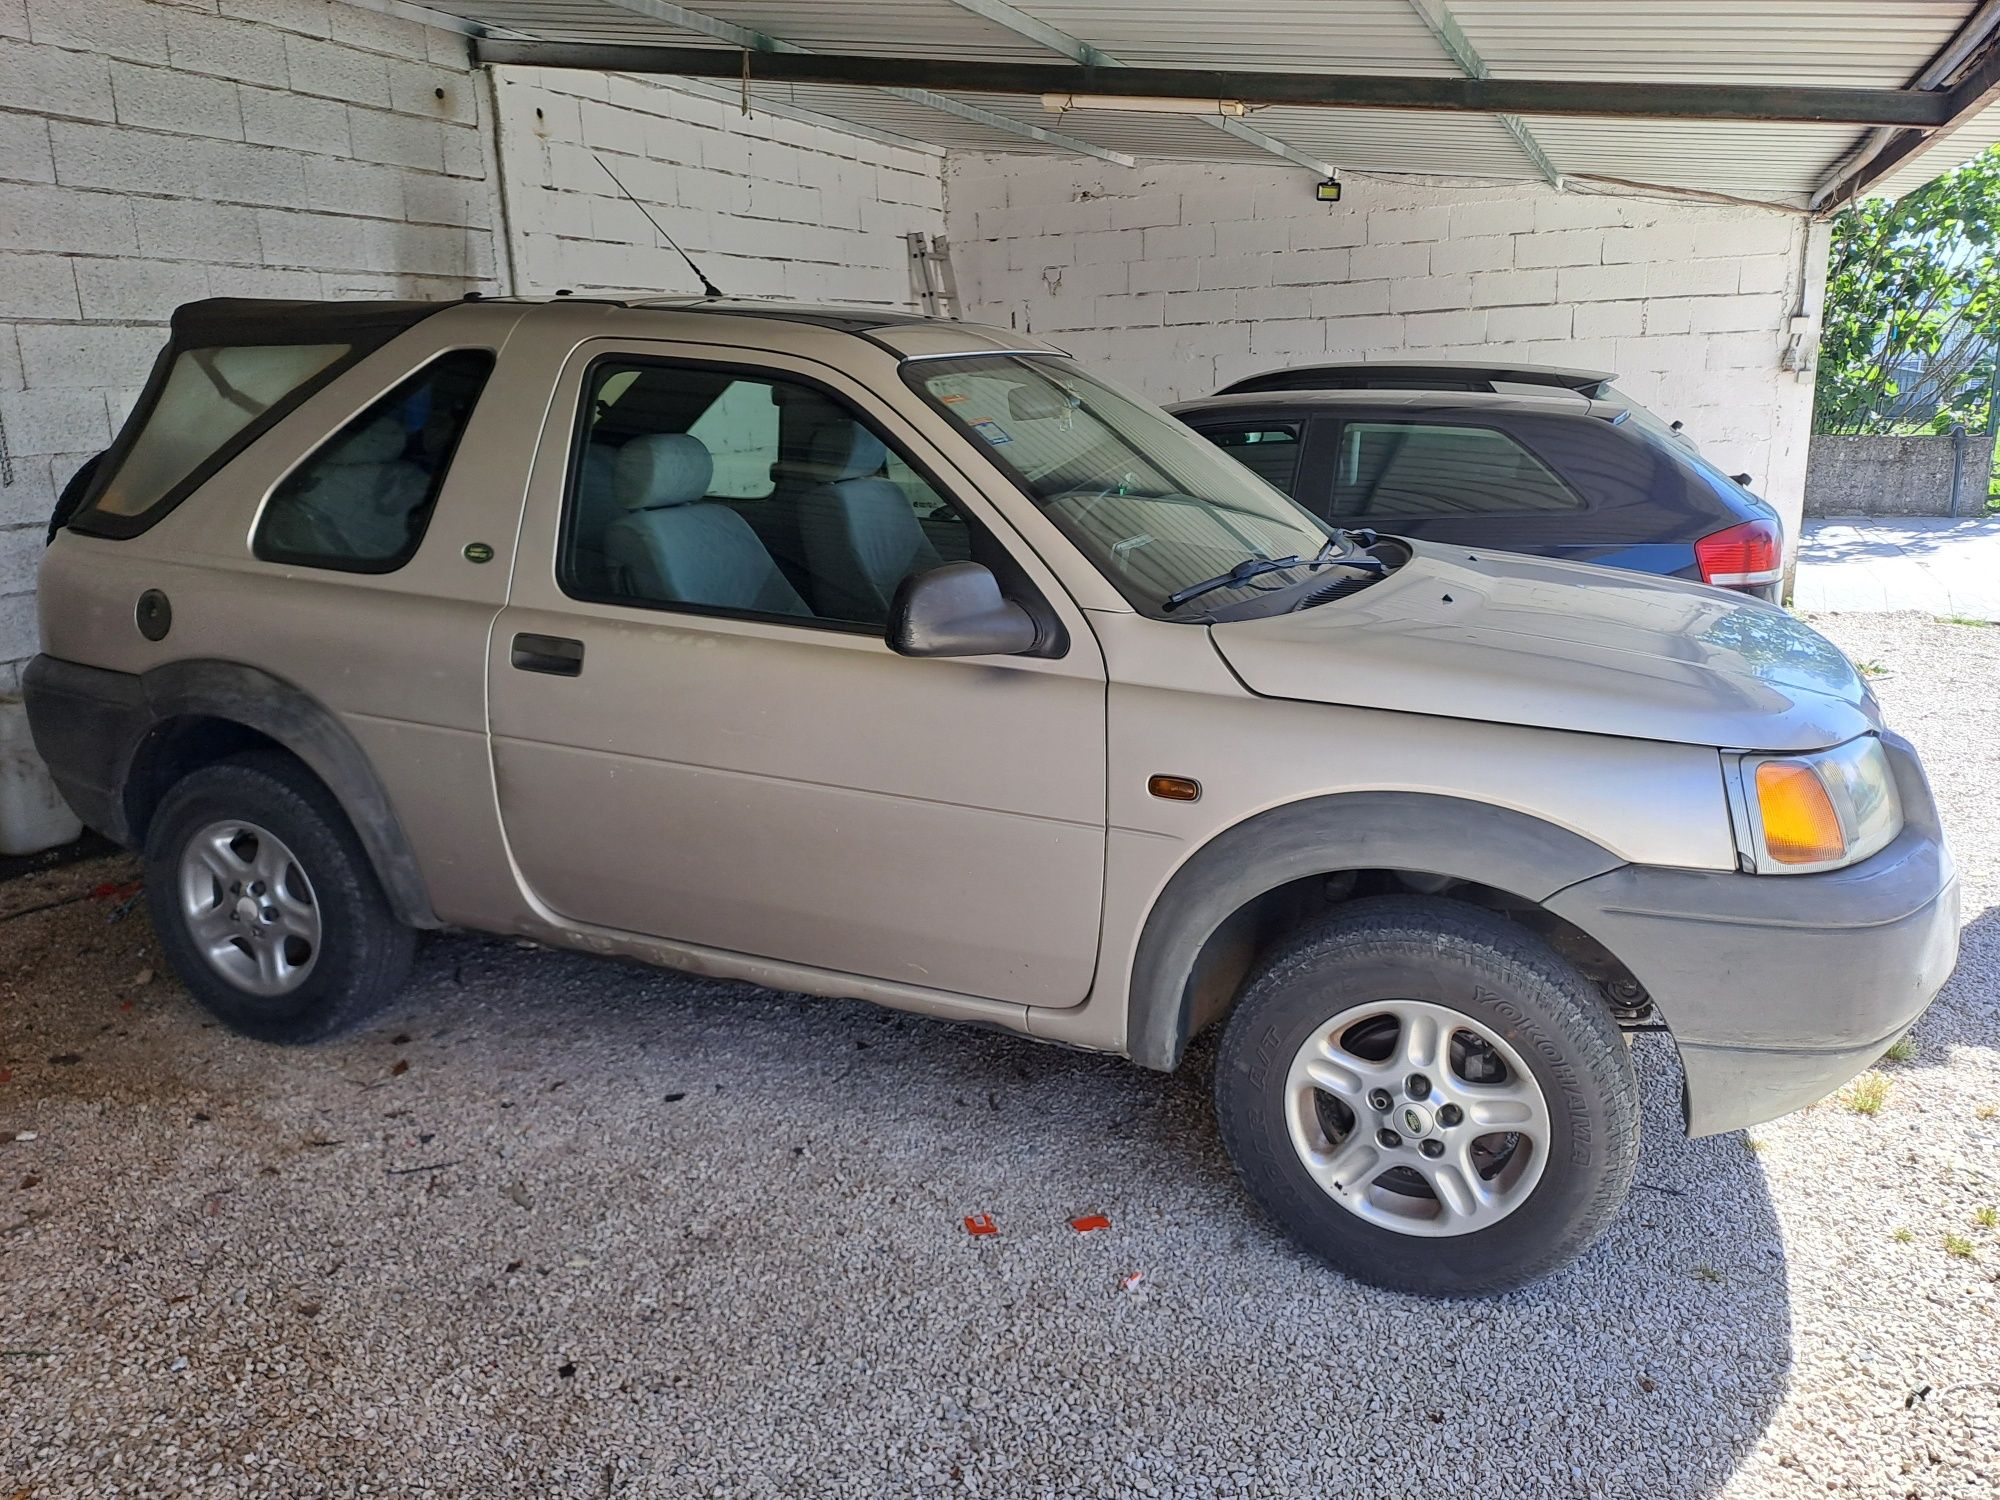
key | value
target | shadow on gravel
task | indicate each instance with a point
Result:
(1650, 1369)
(554, 1218)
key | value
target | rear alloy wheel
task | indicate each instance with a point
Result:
(266, 904)
(1428, 1097)
(249, 907)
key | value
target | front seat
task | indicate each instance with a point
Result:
(861, 537)
(672, 544)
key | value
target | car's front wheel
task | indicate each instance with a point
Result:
(1429, 1097)
(266, 903)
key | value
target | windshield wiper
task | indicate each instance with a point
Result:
(1242, 573)
(1356, 539)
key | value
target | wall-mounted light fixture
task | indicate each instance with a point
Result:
(1327, 191)
(1144, 104)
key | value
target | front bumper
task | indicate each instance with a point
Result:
(1779, 988)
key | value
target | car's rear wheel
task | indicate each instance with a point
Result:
(1429, 1097)
(266, 904)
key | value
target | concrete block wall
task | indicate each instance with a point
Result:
(1879, 475)
(1183, 277)
(155, 153)
(769, 206)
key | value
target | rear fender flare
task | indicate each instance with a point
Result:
(308, 729)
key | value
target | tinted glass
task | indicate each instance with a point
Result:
(210, 395)
(1417, 470)
(742, 493)
(362, 501)
(1271, 452)
(1153, 505)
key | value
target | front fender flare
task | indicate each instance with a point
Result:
(1409, 831)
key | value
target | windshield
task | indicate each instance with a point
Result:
(1156, 507)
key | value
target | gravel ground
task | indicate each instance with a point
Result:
(563, 1227)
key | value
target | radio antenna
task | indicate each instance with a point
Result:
(706, 285)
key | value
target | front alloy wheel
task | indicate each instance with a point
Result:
(1427, 1096)
(1415, 1118)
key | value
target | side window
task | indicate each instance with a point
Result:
(361, 502)
(1427, 470)
(716, 489)
(1270, 450)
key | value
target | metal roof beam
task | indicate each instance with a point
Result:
(1778, 103)
(1883, 150)
(1979, 88)
(747, 40)
(1018, 21)
(1443, 25)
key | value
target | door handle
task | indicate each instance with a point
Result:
(557, 655)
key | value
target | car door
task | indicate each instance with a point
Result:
(698, 732)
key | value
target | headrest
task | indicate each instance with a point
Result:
(381, 442)
(847, 450)
(669, 468)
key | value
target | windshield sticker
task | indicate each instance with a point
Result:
(953, 400)
(992, 431)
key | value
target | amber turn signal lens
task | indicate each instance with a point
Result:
(1800, 825)
(1174, 788)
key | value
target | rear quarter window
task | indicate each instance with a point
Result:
(207, 398)
(362, 501)
(1421, 470)
(233, 368)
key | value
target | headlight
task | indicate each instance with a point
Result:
(1801, 813)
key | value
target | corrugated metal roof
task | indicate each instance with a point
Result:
(1823, 43)
(1775, 162)
(1828, 43)
(886, 28)
(1971, 138)
(1333, 36)
(1384, 140)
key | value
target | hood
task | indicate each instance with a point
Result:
(1521, 640)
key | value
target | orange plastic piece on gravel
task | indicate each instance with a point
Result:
(980, 1224)
(1090, 1223)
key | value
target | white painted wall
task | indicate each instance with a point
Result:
(1180, 278)
(152, 154)
(767, 205)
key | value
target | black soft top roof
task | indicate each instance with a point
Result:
(223, 321)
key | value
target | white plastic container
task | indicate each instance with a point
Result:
(33, 815)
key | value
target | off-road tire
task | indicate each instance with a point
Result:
(1506, 979)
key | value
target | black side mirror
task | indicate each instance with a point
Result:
(957, 610)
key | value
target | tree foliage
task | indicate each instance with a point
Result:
(1912, 302)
